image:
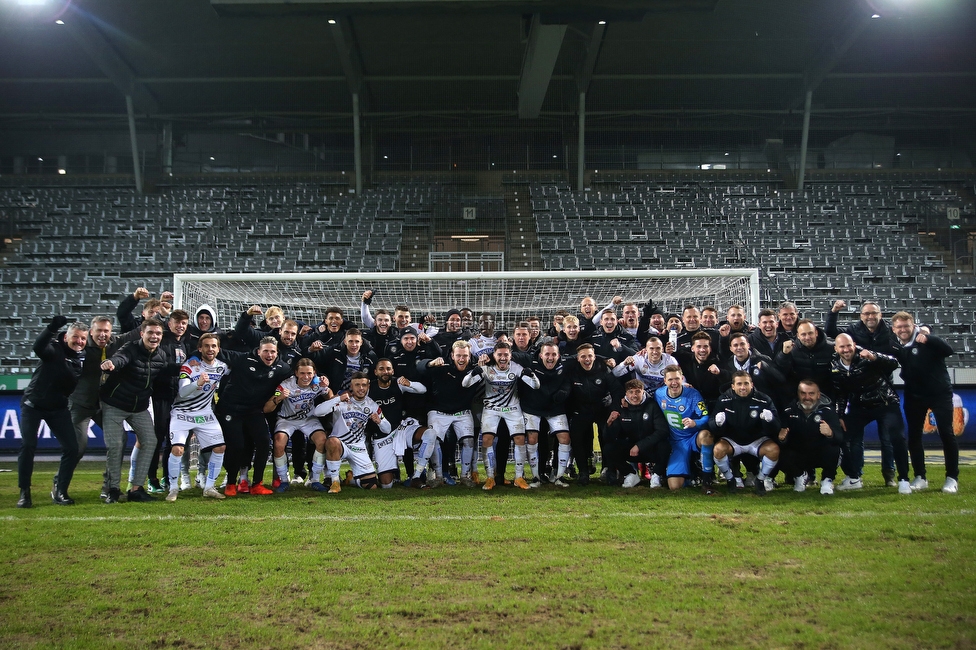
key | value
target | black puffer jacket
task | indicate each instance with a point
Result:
(808, 363)
(594, 390)
(250, 383)
(550, 398)
(130, 385)
(878, 341)
(866, 384)
(58, 373)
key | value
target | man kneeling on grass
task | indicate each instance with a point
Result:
(687, 417)
(637, 433)
(811, 437)
(348, 438)
(747, 423)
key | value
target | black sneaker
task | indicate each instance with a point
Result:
(418, 483)
(760, 487)
(25, 499)
(54, 489)
(732, 486)
(583, 480)
(138, 495)
(113, 495)
(61, 499)
(708, 489)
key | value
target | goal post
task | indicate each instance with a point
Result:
(509, 295)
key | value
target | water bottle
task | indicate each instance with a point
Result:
(673, 338)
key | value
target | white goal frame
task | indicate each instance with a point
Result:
(675, 288)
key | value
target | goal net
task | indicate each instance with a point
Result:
(509, 296)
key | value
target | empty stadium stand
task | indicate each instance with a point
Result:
(850, 236)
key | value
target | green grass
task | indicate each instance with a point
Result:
(581, 568)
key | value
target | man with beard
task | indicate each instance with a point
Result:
(192, 413)
(451, 332)
(347, 441)
(870, 333)
(406, 431)
(746, 422)
(927, 387)
(811, 437)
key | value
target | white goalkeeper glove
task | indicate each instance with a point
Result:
(766, 415)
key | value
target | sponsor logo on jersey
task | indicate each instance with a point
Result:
(754, 413)
(817, 418)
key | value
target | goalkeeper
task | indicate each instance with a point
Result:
(746, 422)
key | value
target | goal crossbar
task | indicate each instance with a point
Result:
(510, 295)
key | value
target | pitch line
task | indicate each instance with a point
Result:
(474, 518)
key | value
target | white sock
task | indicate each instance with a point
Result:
(435, 461)
(386, 486)
(421, 456)
(723, 467)
(467, 455)
(490, 462)
(281, 467)
(185, 464)
(563, 454)
(132, 465)
(333, 468)
(243, 476)
(533, 459)
(318, 464)
(766, 467)
(519, 461)
(174, 471)
(214, 464)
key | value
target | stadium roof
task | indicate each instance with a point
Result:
(266, 64)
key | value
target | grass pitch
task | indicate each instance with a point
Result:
(591, 567)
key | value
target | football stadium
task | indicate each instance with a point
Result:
(488, 323)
